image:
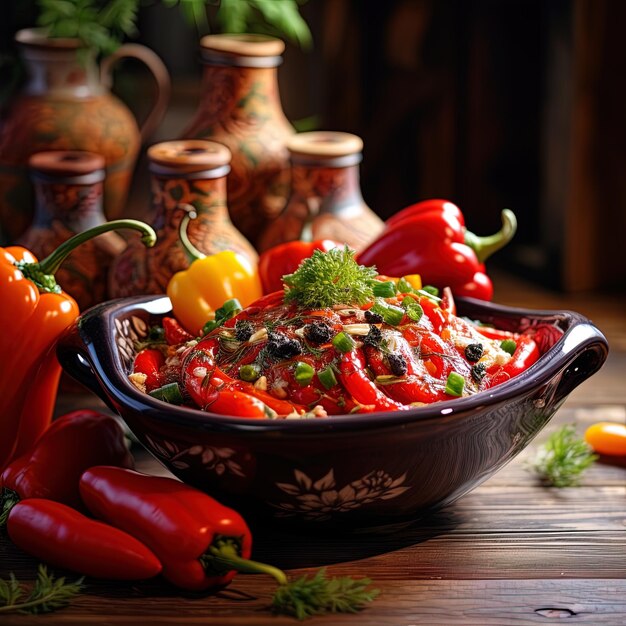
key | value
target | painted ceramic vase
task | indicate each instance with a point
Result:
(68, 190)
(240, 107)
(191, 172)
(66, 105)
(325, 200)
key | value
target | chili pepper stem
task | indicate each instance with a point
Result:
(42, 273)
(484, 247)
(224, 555)
(193, 254)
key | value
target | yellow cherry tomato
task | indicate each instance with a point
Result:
(607, 438)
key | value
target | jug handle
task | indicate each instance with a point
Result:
(158, 70)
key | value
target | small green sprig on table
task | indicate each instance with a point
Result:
(47, 594)
(561, 461)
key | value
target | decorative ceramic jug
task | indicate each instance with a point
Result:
(183, 173)
(240, 107)
(66, 105)
(68, 190)
(325, 200)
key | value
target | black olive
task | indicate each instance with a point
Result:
(243, 330)
(397, 364)
(280, 346)
(318, 332)
(473, 352)
(478, 372)
(373, 337)
(373, 318)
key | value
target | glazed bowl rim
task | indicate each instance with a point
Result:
(125, 395)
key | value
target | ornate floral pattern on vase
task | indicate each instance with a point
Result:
(325, 200)
(66, 105)
(240, 107)
(191, 172)
(68, 190)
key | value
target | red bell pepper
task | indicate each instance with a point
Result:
(52, 468)
(63, 537)
(429, 238)
(201, 543)
(284, 259)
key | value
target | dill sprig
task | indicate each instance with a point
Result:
(563, 458)
(308, 596)
(328, 278)
(47, 594)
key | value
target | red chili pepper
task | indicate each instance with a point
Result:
(526, 353)
(284, 259)
(200, 542)
(149, 362)
(429, 238)
(354, 378)
(63, 537)
(52, 468)
(174, 332)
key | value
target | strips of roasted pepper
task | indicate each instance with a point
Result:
(34, 312)
(209, 281)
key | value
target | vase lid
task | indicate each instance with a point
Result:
(342, 149)
(66, 163)
(188, 156)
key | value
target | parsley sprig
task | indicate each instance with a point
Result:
(47, 594)
(328, 278)
(308, 596)
(563, 458)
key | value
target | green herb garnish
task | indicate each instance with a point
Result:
(47, 594)
(508, 345)
(328, 278)
(343, 342)
(249, 373)
(563, 458)
(327, 377)
(308, 596)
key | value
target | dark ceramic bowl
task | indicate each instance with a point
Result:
(362, 471)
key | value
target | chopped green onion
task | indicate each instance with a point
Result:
(343, 342)
(455, 384)
(168, 393)
(384, 289)
(229, 309)
(391, 314)
(249, 373)
(414, 310)
(304, 373)
(508, 345)
(327, 377)
(404, 286)
(429, 289)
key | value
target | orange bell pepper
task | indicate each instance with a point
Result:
(34, 312)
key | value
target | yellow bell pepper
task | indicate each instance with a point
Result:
(208, 282)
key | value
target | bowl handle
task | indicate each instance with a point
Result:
(588, 350)
(74, 359)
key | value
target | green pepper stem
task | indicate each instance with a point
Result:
(484, 247)
(223, 556)
(8, 499)
(52, 262)
(193, 254)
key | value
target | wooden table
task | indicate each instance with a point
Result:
(511, 552)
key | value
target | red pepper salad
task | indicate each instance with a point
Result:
(340, 339)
